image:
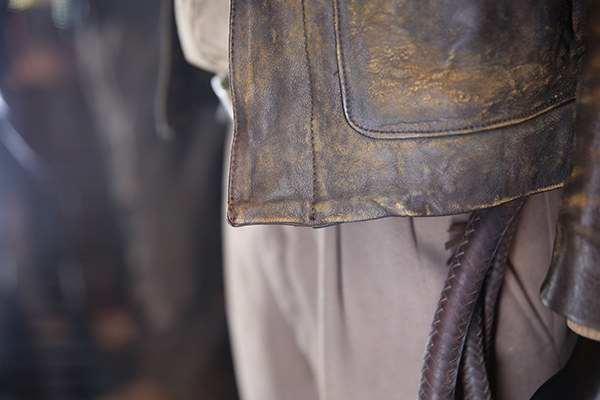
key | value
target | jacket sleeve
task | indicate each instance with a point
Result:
(572, 286)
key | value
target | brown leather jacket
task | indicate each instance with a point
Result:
(349, 110)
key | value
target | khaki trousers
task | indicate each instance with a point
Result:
(344, 312)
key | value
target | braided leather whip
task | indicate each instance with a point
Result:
(458, 300)
(473, 365)
(493, 283)
(477, 354)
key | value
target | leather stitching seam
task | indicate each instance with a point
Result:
(312, 132)
(232, 164)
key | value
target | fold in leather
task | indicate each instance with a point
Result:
(572, 287)
(472, 116)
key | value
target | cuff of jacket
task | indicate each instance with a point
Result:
(584, 331)
(572, 286)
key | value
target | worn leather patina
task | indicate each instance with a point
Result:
(438, 68)
(351, 110)
(572, 287)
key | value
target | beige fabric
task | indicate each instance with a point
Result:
(584, 330)
(344, 312)
(203, 28)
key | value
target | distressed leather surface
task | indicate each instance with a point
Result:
(572, 287)
(473, 100)
(438, 67)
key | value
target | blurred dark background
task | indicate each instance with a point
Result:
(111, 153)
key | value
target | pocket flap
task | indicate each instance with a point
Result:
(437, 67)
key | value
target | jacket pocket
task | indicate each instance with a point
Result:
(435, 68)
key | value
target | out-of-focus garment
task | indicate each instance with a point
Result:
(167, 194)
